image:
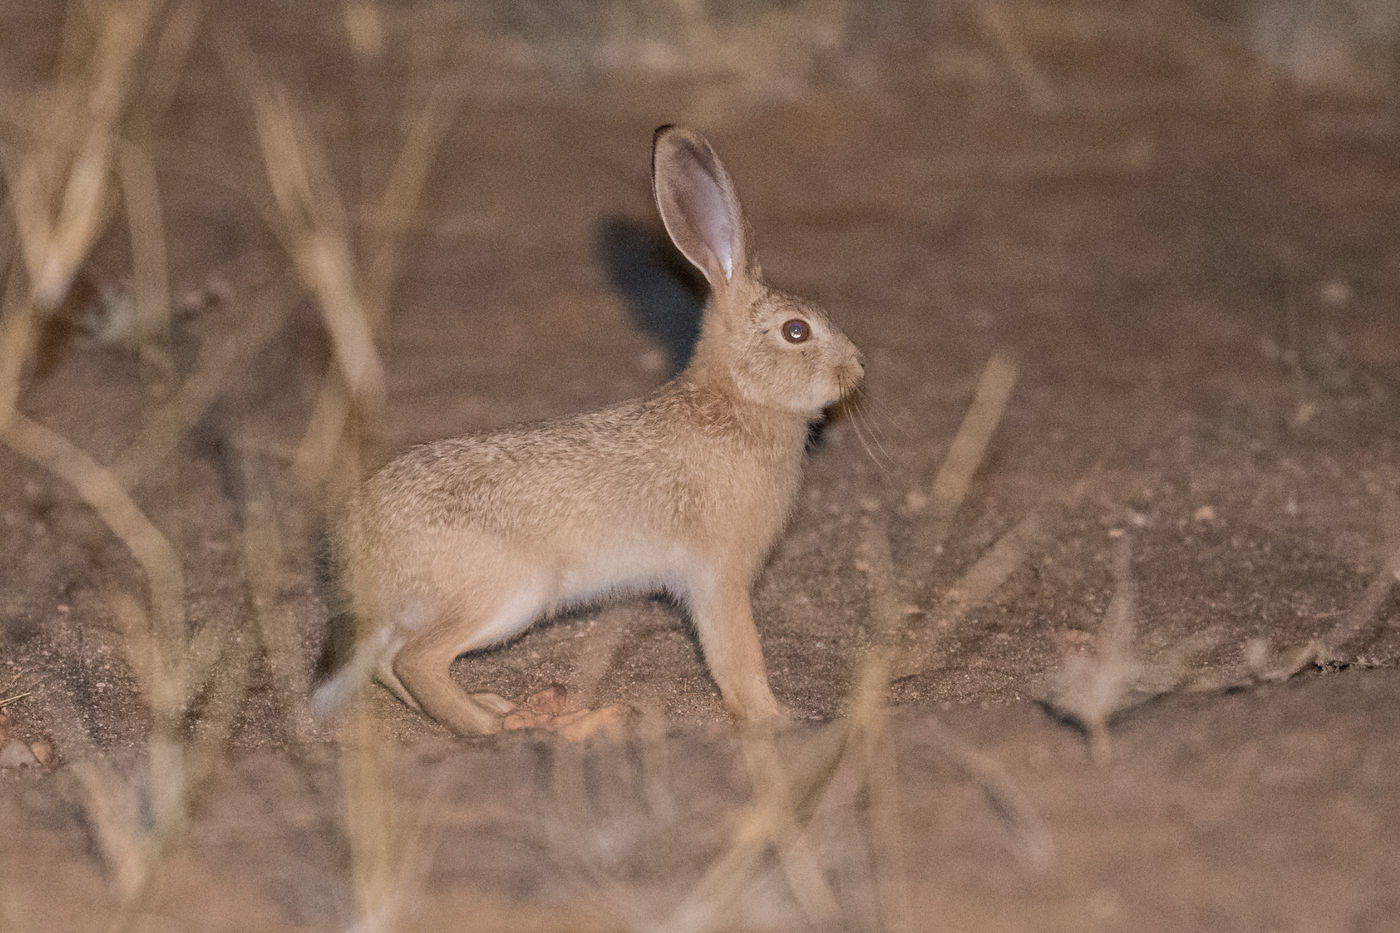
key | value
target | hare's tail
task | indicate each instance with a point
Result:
(342, 668)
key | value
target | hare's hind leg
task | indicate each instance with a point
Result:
(421, 667)
(384, 673)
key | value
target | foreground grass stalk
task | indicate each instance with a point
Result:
(852, 754)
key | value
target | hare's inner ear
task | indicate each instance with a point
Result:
(697, 204)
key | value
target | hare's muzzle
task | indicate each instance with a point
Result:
(851, 371)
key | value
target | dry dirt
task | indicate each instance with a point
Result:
(1196, 277)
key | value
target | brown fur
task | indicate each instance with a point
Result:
(463, 542)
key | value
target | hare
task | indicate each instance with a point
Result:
(462, 543)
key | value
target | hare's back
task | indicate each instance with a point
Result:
(587, 470)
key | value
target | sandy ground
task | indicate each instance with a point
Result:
(1196, 280)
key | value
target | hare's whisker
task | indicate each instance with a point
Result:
(881, 459)
(872, 425)
(858, 407)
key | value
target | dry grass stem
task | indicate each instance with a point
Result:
(315, 229)
(798, 863)
(168, 55)
(839, 756)
(400, 199)
(569, 831)
(166, 426)
(778, 808)
(316, 233)
(161, 674)
(369, 824)
(1033, 843)
(263, 553)
(403, 192)
(101, 490)
(205, 753)
(391, 852)
(872, 752)
(59, 191)
(1326, 650)
(62, 194)
(1019, 62)
(16, 343)
(1090, 690)
(981, 581)
(58, 226)
(969, 447)
(851, 754)
(112, 812)
(954, 477)
(141, 196)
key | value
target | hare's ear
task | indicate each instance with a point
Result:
(697, 204)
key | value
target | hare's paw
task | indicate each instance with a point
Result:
(762, 712)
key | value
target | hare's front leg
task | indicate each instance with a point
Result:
(423, 664)
(723, 615)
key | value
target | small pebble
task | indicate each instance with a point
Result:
(1335, 293)
(1205, 513)
(16, 754)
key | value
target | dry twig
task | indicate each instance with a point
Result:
(852, 753)
(1089, 691)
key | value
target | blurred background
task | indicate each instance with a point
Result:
(1086, 613)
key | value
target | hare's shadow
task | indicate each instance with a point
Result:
(664, 294)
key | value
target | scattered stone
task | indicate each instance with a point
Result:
(608, 721)
(1205, 513)
(1335, 293)
(551, 701)
(548, 711)
(17, 754)
(42, 752)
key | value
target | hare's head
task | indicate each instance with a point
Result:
(775, 349)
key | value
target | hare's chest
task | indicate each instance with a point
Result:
(753, 506)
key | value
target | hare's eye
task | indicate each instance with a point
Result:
(796, 330)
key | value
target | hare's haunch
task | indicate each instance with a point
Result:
(463, 543)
